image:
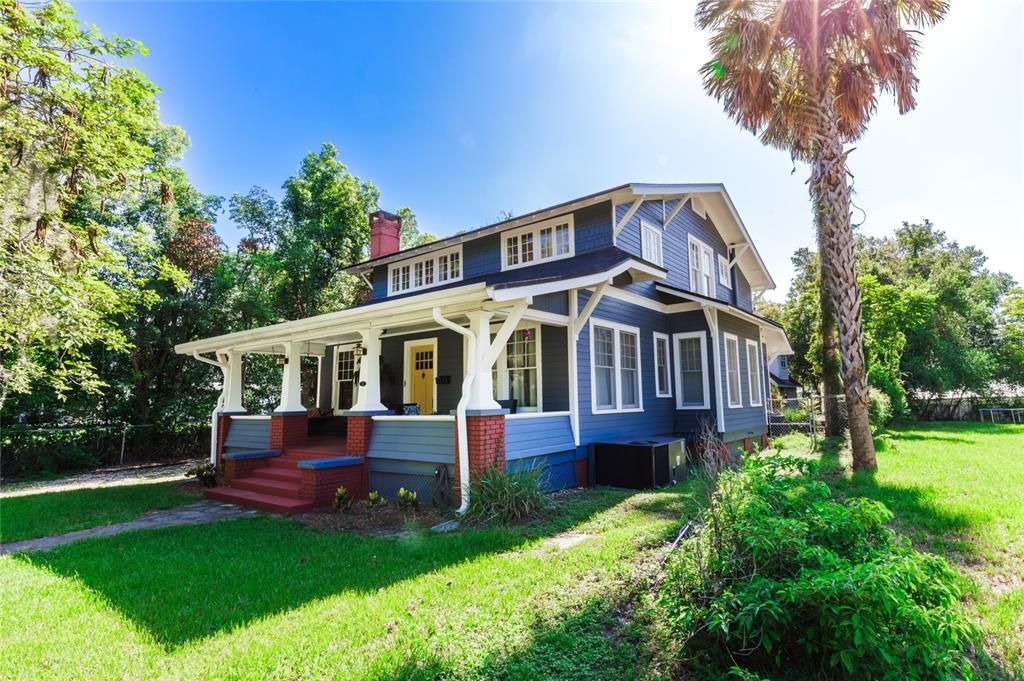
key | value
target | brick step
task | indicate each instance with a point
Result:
(281, 463)
(269, 473)
(279, 488)
(257, 500)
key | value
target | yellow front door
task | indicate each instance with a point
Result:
(421, 379)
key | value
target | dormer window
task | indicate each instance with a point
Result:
(426, 271)
(537, 243)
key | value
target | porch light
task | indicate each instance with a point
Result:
(358, 350)
(282, 360)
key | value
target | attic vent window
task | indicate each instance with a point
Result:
(425, 272)
(541, 242)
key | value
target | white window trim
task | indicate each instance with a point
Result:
(407, 373)
(535, 229)
(617, 373)
(724, 275)
(691, 239)
(750, 374)
(501, 385)
(676, 337)
(647, 226)
(657, 335)
(726, 337)
(411, 264)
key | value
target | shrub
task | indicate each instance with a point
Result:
(205, 473)
(374, 500)
(879, 409)
(407, 500)
(342, 499)
(796, 414)
(783, 578)
(502, 497)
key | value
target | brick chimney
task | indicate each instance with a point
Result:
(385, 231)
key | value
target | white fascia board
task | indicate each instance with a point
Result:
(514, 293)
(782, 343)
(364, 314)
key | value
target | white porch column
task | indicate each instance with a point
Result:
(291, 379)
(233, 377)
(482, 396)
(369, 373)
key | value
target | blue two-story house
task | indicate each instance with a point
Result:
(625, 314)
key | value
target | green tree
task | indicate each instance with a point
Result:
(804, 75)
(80, 130)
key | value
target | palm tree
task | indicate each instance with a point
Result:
(805, 75)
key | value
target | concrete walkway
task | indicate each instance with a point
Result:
(199, 513)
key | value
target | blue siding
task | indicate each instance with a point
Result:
(746, 420)
(688, 421)
(744, 298)
(658, 415)
(529, 437)
(447, 363)
(674, 243)
(592, 227)
(557, 303)
(555, 367)
(245, 434)
(559, 469)
(412, 440)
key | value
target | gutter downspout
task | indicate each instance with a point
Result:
(461, 431)
(214, 421)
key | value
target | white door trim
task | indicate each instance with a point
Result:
(407, 367)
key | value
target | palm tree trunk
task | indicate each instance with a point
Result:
(832, 385)
(830, 190)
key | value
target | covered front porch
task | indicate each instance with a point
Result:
(400, 389)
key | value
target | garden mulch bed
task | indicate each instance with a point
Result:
(387, 521)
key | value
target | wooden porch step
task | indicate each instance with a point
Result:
(263, 502)
(279, 488)
(291, 474)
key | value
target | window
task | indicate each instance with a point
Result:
(616, 383)
(724, 274)
(692, 391)
(662, 383)
(650, 243)
(517, 371)
(784, 362)
(701, 268)
(346, 379)
(732, 371)
(426, 271)
(754, 373)
(549, 240)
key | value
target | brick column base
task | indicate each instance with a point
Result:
(486, 439)
(223, 425)
(288, 430)
(321, 485)
(358, 431)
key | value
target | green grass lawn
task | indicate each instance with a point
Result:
(956, 489)
(270, 598)
(40, 515)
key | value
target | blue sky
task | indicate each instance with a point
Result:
(461, 111)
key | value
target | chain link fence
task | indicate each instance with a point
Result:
(812, 415)
(28, 449)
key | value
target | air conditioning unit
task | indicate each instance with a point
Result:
(641, 463)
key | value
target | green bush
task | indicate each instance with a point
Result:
(374, 500)
(879, 409)
(204, 472)
(785, 579)
(797, 414)
(501, 497)
(342, 499)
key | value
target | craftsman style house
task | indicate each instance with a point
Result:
(625, 314)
